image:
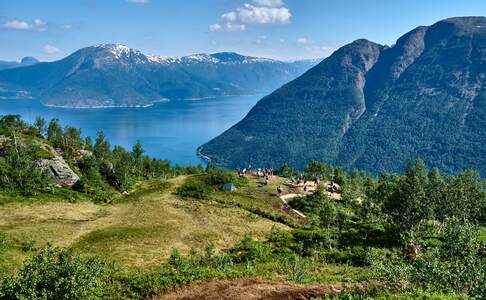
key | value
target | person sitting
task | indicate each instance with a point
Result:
(279, 190)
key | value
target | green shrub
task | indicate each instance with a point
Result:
(193, 189)
(312, 239)
(455, 265)
(296, 267)
(219, 177)
(251, 250)
(56, 274)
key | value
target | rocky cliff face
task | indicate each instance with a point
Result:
(373, 107)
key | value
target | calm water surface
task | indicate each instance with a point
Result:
(171, 130)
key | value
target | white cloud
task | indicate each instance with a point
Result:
(138, 1)
(67, 26)
(227, 27)
(269, 3)
(215, 27)
(16, 24)
(264, 12)
(263, 15)
(37, 24)
(260, 39)
(49, 49)
(304, 41)
(40, 23)
(229, 17)
(314, 47)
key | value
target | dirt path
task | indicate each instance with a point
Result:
(252, 289)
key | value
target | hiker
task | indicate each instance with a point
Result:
(279, 190)
(305, 188)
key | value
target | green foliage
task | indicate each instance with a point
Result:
(18, 171)
(12, 125)
(297, 267)
(56, 274)
(40, 125)
(54, 132)
(419, 196)
(218, 177)
(319, 170)
(456, 265)
(286, 171)
(251, 250)
(193, 189)
(325, 211)
(375, 294)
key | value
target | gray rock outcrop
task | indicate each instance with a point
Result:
(59, 170)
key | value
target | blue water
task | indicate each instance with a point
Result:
(171, 130)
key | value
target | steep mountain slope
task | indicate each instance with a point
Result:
(26, 61)
(115, 75)
(373, 108)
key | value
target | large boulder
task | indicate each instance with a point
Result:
(59, 170)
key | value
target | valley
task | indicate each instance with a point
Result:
(319, 165)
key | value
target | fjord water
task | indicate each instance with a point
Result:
(168, 130)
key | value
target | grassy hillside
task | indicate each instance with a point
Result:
(139, 232)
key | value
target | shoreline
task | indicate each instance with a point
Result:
(201, 155)
(133, 106)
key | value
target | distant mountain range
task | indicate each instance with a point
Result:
(26, 61)
(374, 107)
(113, 75)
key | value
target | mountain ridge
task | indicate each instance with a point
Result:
(25, 61)
(368, 106)
(114, 75)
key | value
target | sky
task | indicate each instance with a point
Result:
(280, 29)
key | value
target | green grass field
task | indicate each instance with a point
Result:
(139, 231)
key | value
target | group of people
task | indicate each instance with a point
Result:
(266, 172)
(242, 173)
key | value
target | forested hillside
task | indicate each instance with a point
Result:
(374, 107)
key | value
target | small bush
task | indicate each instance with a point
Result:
(298, 268)
(219, 177)
(193, 189)
(251, 250)
(56, 274)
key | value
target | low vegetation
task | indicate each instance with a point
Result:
(137, 227)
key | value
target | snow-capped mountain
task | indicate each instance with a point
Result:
(114, 75)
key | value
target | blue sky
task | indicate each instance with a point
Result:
(283, 29)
